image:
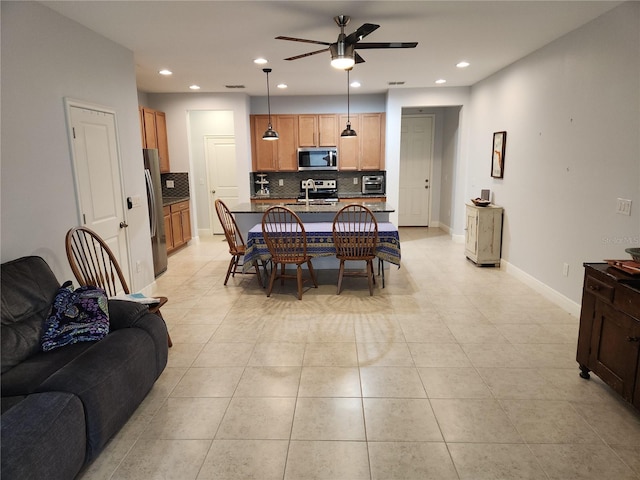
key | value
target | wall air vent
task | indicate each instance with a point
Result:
(234, 86)
(391, 84)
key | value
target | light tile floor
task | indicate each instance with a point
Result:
(450, 372)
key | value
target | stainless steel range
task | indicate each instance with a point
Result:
(326, 190)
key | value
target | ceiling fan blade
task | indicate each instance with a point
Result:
(292, 39)
(361, 32)
(358, 58)
(307, 54)
(370, 45)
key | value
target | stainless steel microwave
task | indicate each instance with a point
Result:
(318, 158)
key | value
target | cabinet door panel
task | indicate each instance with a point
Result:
(176, 229)
(613, 357)
(327, 130)
(150, 139)
(307, 128)
(185, 221)
(162, 141)
(349, 147)
(371, 130)
(264, 151)
(287, 128)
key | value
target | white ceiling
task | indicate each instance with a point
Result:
(213, 43)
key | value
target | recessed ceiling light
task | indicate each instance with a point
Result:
(463, 64)
(164, 71)
(194, 87)
(355, 84)
(282, 85)
(441, 81)
(260, 61)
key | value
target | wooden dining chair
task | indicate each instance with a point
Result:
(355, 235)
(237, 247)
(286, 239)
(93, 263)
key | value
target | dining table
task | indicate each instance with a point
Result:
(320, 244)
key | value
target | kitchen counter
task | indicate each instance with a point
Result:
(166, 201)
(314, 207)
(249, 214)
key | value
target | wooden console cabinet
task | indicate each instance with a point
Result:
(609, 336)
(483, 234)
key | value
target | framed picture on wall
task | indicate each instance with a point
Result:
(497, 155)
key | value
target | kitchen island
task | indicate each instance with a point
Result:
(249, 214)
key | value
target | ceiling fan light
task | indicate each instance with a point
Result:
(342, 56)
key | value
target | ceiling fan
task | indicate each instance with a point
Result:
(343, 54)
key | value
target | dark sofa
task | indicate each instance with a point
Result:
(60, 408)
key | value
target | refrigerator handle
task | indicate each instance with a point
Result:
(151, 195)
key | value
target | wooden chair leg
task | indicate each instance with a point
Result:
(299, 280)
(282, 271)
(370, 276)
(169, 341)
(312, 273)
(274, 271)
(231, 262)
(340, 274)
(257, 267)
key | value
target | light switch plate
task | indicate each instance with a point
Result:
(171, 184)
(623, 206)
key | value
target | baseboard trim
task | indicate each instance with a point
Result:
(543, 289)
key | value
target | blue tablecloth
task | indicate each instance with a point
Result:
(320, 243)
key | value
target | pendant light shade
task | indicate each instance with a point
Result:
(270, 133)
(348, 131)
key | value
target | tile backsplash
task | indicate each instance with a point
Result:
(180, 184)
(291, 181)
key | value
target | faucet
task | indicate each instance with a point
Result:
(307, 184)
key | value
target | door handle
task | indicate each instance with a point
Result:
(123, 225)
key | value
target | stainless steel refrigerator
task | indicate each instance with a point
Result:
(156, 216)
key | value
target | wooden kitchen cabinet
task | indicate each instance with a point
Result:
(275, 155)
(177, 225)
(318, 130)
(153, 126)
(609, 335)
(483, 234)
(366, 150)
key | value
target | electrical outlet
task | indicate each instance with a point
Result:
(623, 206)
(281, 182)
(355, 180)
(565, 269)
(171, 184)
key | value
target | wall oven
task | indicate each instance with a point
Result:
(317, 159)
(373, 184)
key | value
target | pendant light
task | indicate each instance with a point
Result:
(348, 132)
(270, 133)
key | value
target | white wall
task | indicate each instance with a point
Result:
(45, 58)
(572, 116)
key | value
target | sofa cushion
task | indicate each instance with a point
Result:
(43, 436)
(124, 314)
(26, 377)
(79, 315)
(27, 289)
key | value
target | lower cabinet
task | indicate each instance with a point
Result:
(609, 335)
(177, 225)
(483, 234)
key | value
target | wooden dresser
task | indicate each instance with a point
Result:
(609, 336)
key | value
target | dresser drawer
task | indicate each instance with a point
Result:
(600, 289)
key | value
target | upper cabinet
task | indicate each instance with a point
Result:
(364, 152)
(153, 125)
(274, 155)
(318, 130)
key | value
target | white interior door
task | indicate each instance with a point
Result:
(416, 156)
(98, 178)
(220, 153)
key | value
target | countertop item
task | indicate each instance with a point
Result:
(301, 207)
(166, 201)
